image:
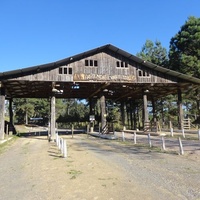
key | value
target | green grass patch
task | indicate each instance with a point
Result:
(74, 173)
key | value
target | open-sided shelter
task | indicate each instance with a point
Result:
(106, 72)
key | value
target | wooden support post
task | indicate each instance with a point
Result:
(146, 115)
(134, 115)
(92, 113)
(131, 113)
(180, 110)
(11, 115)
(53, 119)
(154, 115)
(103, 111)
(2, 111)
(145, 111)
(123, 114)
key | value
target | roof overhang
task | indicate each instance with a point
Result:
(112, 90)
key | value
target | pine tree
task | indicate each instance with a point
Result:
(184, 51)
(154, 53)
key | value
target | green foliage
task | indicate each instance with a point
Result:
(184, 51)
(74, 111)
(71, 110)
(154, 52)
(25, 108)
(113, 112)
(184, 57)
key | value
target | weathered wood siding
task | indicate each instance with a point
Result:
(106, 69)
(52, 75)
(101, 67)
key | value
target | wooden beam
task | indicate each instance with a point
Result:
(102, 87)
(129, 94)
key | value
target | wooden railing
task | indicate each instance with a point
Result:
(151, 126)
(186, 123)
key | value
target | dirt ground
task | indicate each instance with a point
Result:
(95, 169)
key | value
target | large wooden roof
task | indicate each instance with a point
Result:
(105, 70)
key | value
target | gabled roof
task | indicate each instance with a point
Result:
(108, 47)
(116, 90)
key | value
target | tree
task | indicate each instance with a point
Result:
(154, 53)
(74, 111)
(23, 109)
(184, 54)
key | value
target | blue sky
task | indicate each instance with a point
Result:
(34, 32)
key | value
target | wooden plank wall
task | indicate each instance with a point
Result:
(106, 70)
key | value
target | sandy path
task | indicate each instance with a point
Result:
(94, 169)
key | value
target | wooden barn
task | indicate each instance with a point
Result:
(106, 72)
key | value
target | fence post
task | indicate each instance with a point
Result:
(183, 132)
(149, 139)
(123, 137)
(172, 133)
(180, 146)
(64, 149)
(57, 139)
(72, 130)
(134, 135)
(60, 143)
(163, 143)
(199, 134)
